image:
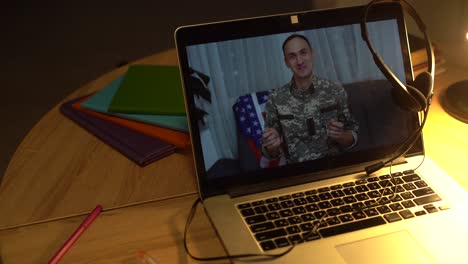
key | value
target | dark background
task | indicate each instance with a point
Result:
(50, 48)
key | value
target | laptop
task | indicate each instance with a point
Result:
(301, 184)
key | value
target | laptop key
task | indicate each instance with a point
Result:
(287, 204)
(422, 192)
(427, 199)
(307, 217)
(385, 177)
(312, 198)
(349, 199)
(282, 242)
(273, 216)
(297, 195)
(419, 213)
(306, 226)
(430, 208)
(406, 214)
(320, 214)
(350, 227)
(348, 184)
(274, 206)
(358, 215)
(337, 193)
(383, 209)
(371, 212)
(373, 186)
(333, 211)
(411, 178)
(333, 221)
(361, 188)
(311, 207)
(349, 191)
(294, 220)
(392, 217)
(337, 202)
(420, 184)
(372, 179)
(300, 201)
(281, 232)
(285, 197)
(408, 204)
(336, 187)
(309, 236)
(407, 195)
(262, 227)
(261, 209)
(255, 219)
(296, 239)
(396, 207)
(281, 223)
(286, 213)
(247, 212)
(346, 218)
(359, 182)
(293, 229)
(298, 210)
(268, 245)
(243, 206)
(325, 196)
(409, 186)
(324, 205)
(257, 203)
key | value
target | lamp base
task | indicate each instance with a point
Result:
(455, 100)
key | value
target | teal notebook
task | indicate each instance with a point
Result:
(150, 89)
(100, 102)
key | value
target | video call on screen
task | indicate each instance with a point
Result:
(232, 81)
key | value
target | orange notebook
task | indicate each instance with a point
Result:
(176, 138)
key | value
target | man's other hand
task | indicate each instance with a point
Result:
(336, 132)
(271, 141)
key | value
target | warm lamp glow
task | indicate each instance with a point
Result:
(466, 35)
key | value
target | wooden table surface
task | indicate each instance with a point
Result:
(60, 169)
(80, 182)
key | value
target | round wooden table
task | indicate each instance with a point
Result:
(61, 170)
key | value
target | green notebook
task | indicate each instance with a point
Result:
(150, 89)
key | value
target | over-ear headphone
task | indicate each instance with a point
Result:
(417, 95)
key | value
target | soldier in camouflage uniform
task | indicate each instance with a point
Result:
(308, 118)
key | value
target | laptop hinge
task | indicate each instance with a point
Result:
(300, 179)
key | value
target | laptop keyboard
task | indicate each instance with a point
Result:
(284, 220)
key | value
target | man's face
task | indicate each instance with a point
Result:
(298, 57)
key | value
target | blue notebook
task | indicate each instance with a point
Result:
(101, 100)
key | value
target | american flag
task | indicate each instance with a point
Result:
(250, 113)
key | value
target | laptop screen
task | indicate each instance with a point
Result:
(297, 96)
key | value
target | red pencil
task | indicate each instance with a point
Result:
(66, 246)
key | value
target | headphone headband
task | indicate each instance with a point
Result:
(403, 89)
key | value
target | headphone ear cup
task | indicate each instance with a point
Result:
(413, 100)
(423, 83)
(419, 97)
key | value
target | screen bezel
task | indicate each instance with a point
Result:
(253, 27)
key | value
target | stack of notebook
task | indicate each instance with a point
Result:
(419, 56)
(140, 114)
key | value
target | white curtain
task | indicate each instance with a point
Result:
(239, 67)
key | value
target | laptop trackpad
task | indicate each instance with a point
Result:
(398, 247)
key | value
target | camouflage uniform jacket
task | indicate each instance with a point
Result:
(301, 118)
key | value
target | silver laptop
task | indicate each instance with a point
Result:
(285, 113)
